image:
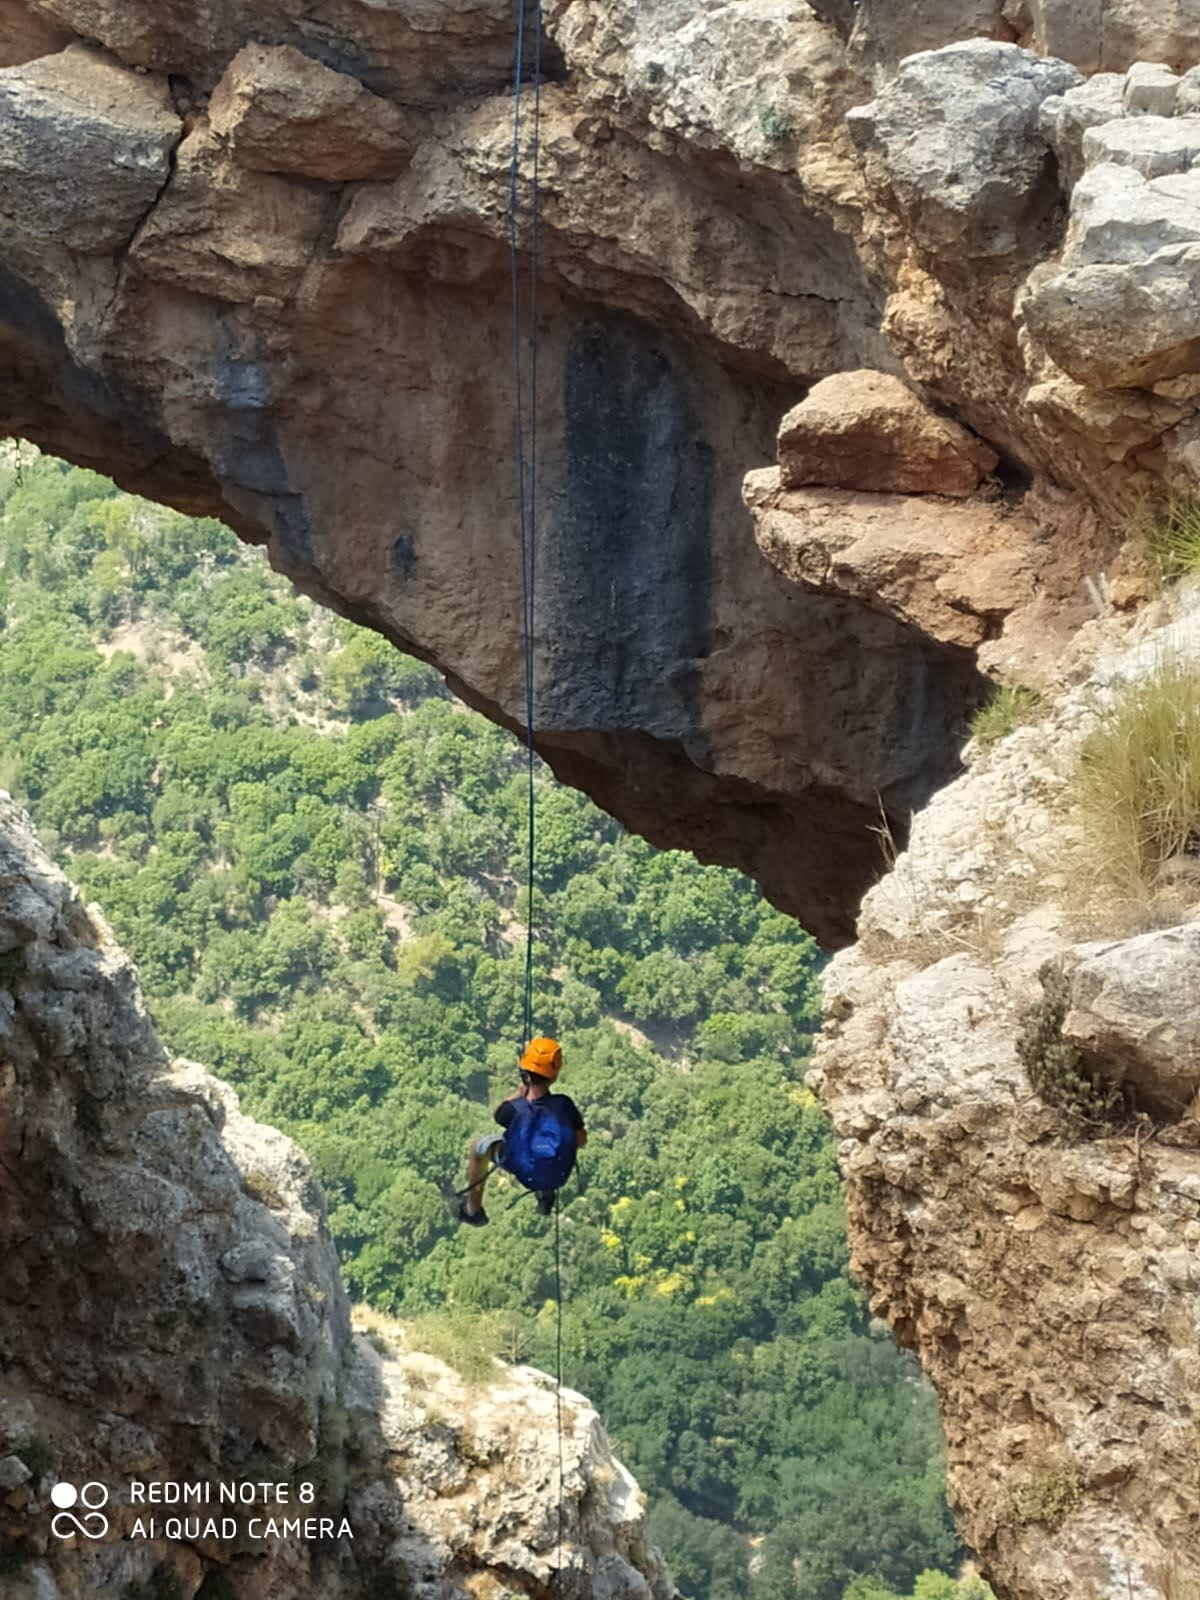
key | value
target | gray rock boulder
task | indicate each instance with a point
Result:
(1133, 1013)
(1117, 217)
(1064, 119)
(952, 145)
(1151, 145)
(1150, 88)
(1119, 311)
(1116, 326)
(85, 148)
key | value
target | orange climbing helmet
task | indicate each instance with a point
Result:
(543, 1057)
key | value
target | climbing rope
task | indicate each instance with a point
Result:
(558, 1403)
(527, 525)
(526, 473)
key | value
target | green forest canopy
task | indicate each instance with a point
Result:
(312, 853)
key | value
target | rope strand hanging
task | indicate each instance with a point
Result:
(527, 518)
(524, 331)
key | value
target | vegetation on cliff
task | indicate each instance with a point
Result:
(310, 851)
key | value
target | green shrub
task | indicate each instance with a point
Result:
(1045, 1497)
(1010, 707)
(1055, 1067)
(262, 1187)
(470, 1341)
(774, 125)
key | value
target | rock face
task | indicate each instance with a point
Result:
(254, 261)
(951, 146)
(1043, 1266)
(865, 430)
(170, 1310)
(281, 111)
(65, 117)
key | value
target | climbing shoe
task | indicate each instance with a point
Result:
(545, 1201)
(473, 1219)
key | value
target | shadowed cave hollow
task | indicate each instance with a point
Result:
(681, 681)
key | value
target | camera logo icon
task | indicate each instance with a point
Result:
(92, 1523)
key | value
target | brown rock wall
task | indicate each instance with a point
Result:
(328, 366)
(295, 316)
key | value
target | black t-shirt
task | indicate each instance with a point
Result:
(559, 1105)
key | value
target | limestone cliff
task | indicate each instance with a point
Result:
(861, 327)
(171, 1312)
(1044, 1265)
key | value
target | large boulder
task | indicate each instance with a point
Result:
(1113, 325)
(950, 570)
(281, 111)
(953, 145)
(1151, 145)
(867, 430)
(85, 148)
(1133, 1014)
(1119, 216)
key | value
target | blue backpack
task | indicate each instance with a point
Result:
(539, 1146)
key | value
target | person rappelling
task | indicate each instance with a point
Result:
(542, 1133)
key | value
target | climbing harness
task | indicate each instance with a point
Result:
(527, 521)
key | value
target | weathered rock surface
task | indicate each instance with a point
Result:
(1113, 312)
(952, 572)
(291, 311)
(1133, 1013)
(280, 111)
(279, 204)
(1112, 34)
(274, 287)
(63, 119)
(318, 360)
(951, 146)
(1065, 119)
(170, 1310)
(866, 430)
(476, 1467)
(1045, 1271)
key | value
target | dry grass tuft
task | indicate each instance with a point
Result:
(1138, 789)
(1172, 536)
